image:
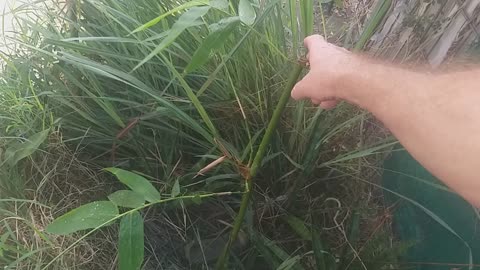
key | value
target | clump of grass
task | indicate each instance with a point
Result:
(54, 181)
(158, 101)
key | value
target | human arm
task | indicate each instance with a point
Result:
(436, 117)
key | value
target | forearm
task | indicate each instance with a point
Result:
(436, 117)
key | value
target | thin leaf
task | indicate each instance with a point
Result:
(219, 4)
(170, 12)
(193, 98)
(136, 183)
(130, 242)
(299, 227)
(127, 198)
(376, 18)
(269, 258)
(214, 75)
(290, 263)
(187, 19)
(130, 80)
(220, 32)
(275, 253)
(246, 12)
(87, 216)
(176, 188)
(317, 247)
(3, 246)
(360, 153)
(18, 151)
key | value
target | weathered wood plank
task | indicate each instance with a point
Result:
(426, 31)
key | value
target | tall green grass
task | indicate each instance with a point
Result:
(164, 89)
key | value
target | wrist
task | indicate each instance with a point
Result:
(377, 87)
(356, 81)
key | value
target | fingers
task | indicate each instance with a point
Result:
(326, 104)
(312, 87)
(312, 43)
(307, 88)
(316, 101)
(317, 85)
(329, 104)
(303, 88)
(312, 40)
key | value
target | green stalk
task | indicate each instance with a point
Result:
(293, 25)
(73, 14)
(257, 161)
(376, 18)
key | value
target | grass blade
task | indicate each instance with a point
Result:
(18, 151)
(193, 98)
(220, 32)
(187, 19)
(377, 16)
(289, 263)
(299, 227)
(318, 250)
(170, 12)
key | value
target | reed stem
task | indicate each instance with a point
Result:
(257, 161)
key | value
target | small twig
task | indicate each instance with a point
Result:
(210, 166)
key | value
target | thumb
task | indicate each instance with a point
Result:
(304, 88)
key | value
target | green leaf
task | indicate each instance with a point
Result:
(299, 227)
(130, 242)
(317, 247)
(127, 198)
(219, 34)
(352, 237)
(376, 18)
(191, 95)
(219, 4)
(88, 216)
(3, 245)
(306, 9)
(289, 263)
(197, 199)
(275, 255)
(261, 246)
(170, 12)
(176, 188)
(339, 3)
(137, 183)
(362, 152)
(18, 151)
(246, 12)
(187, 19)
